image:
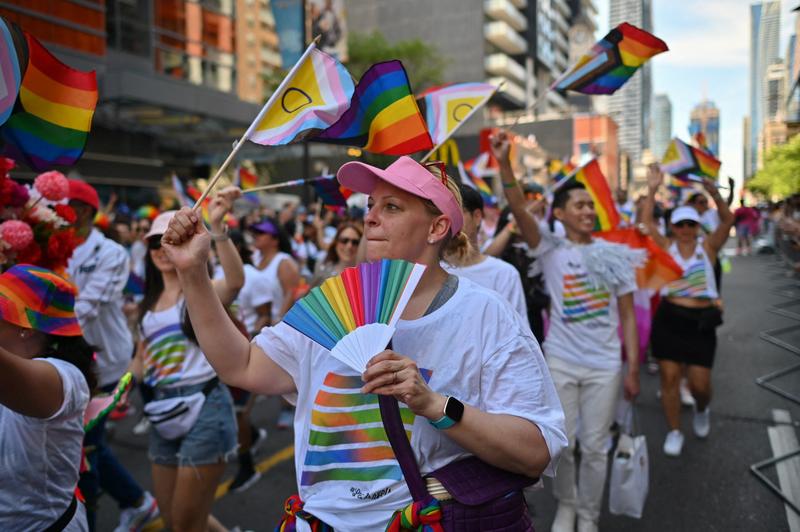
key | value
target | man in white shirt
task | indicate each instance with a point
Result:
(486, 271)
(99, 267)
(591, 284)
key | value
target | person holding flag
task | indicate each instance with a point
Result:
(591, 284)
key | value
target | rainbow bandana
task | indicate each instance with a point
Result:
(36, 298)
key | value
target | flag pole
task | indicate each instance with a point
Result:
(292, 183)
(254, 124)
(469, 115)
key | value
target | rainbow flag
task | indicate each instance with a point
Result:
(681, 159)
(446, 107)
(54, 113)
(330, 192)
(611, 62)
(314, 95)
(383, 116)
(595, 182)
(195, 195)
(560, 169)
(13, 58)
(245, 179)
(475, 169)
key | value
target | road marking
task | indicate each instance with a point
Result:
(262, 467)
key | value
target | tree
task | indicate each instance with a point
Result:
(780, 175)
(422, 62)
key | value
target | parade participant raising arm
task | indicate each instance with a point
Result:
(684, 327)
(455, 339)
(591, 284)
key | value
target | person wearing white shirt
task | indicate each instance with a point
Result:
(591, 284)
(99, 267)
(485, 270)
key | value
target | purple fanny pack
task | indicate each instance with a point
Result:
(485, 497)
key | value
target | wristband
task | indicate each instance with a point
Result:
(220, 237)
(510, 185)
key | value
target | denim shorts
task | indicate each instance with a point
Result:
(212, 439)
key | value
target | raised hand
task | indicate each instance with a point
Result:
(186, 240)
(222, 204)
(655, 177)
(500, 144)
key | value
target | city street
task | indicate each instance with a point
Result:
(709, 487)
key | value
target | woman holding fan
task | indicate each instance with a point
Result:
(467, 371)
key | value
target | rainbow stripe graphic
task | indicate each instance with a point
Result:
(582, 301)
(692, 284)
(312, 99)
(595, 182)
(611, 62)
(164, 355)
(55, 110)
(446, 107)
(383, 116)
(347, 440)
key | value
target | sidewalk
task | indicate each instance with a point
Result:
(710, 486)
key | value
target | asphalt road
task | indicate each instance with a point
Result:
(708, 488)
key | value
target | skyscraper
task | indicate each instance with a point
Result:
(704, 119)
(630, 106)
(661, 132)
(765, 22)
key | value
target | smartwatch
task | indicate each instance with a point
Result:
(452, 414)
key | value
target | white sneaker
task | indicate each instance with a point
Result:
(673, 444)
(702, 422)
(260, 439)
(135, 519)
(586, 525)
(142, 427)
(565, 519)
(686, 395)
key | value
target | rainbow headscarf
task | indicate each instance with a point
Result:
(36, 298)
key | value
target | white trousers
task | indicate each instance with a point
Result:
(589, 395)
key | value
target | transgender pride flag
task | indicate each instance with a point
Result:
(313, 96)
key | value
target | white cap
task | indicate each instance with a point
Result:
(160, 224)
(684, 213)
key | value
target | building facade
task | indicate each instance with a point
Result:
(257, 50)
(661, 130)
(630, 106)
(704, 118)
(764, 43)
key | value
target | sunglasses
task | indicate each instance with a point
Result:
(352, 241)
(686, 223)
(442, 169)
(154, 243)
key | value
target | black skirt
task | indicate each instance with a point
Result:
(685, 335)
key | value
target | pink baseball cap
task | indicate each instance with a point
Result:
(161, 223)
(406, 174)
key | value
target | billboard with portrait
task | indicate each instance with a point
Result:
(327, 19)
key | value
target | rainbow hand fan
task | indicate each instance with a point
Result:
(353, 315)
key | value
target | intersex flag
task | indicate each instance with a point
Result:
(681, 159)
(383, 116)
(314, 95)
(611, 61)
(446, 107)
(659, 269)
(54, 113)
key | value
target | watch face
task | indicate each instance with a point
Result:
(454, 409)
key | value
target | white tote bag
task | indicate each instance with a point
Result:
(630, 475)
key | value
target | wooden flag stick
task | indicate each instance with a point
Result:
(469, 115)
(254, 125)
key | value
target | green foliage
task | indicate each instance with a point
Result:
(781, 173)
(422, 61)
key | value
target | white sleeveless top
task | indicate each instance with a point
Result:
(170, 358)
(698, 275)
(271, 273)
